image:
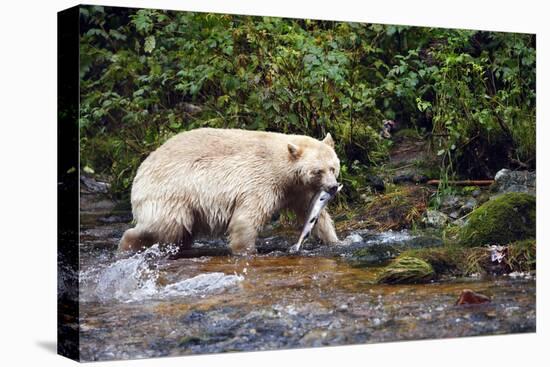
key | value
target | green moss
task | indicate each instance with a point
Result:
(443, 259)
(467, 190)
(406, 269)
(508, 218)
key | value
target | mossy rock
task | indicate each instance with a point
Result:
(454, 260)
(406, 270)
(505, 219)
(444, 259)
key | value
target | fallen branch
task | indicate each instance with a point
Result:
(463, 182)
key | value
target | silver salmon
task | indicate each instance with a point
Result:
(318, 203)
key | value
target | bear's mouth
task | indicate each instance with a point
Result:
(333, 189)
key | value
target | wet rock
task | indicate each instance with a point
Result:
(375, 254)
(410, 178)
(376, 183)
(469, 297)
(377, 248)
(468, 206)
(515, 181)
(122, 218)
(476, 193)
(274, 244)
(399, 179)
(98, 204)
(454, 215)
(364, 246)
(507, 218)
(435, 219)
(93, 186)
(352, 238)
(404, 270)
(451, 203)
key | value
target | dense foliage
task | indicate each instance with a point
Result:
(148, 74)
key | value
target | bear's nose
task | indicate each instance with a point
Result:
(333, 189)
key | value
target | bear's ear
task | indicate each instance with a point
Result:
(294, 150)
(328, 140)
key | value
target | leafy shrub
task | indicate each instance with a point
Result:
(148, 74)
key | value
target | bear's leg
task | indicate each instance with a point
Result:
(324, 229)
(135, 239)
(243, 232)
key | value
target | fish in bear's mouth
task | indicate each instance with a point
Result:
(318, 203)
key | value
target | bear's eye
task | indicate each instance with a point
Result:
(319, 172)
(332, 169)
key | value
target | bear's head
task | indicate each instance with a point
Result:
(316, 163)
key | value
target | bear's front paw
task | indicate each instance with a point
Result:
(331, 240)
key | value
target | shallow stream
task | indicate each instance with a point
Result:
(148, 305)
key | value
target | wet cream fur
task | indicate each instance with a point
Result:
(211, 182)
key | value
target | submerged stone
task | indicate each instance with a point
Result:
(469, 297)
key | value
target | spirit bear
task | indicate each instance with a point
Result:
(217, 181)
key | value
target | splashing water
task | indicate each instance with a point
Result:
(391, 237)
(203, 284)
(136, 278)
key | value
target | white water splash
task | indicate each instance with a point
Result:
(391, 237)
(203, 284)
(136, 278)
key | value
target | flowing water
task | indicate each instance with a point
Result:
(149, 305)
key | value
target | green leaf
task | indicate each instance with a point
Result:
(117, 35)
(88, 170)
(149, 44)
(142, 21)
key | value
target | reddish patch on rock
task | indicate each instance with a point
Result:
(469, 297)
